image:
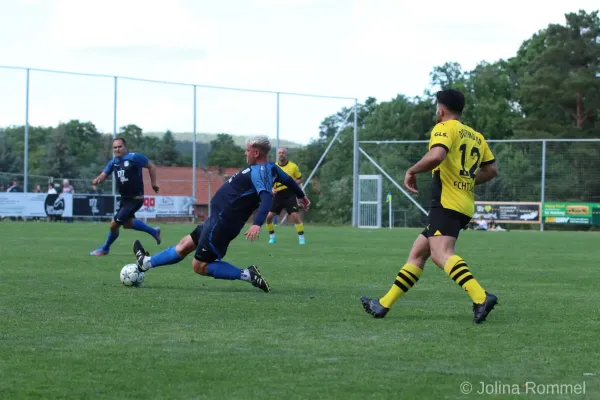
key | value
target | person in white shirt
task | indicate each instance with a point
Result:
(51, 189)
(482, 224)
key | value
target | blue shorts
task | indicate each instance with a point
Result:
(127, 210)
(212, 239)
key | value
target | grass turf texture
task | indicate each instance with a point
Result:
(70, 329)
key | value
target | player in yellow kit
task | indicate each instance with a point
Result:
(460, 159)
(284, 198)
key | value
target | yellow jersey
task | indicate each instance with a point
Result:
(454, 179)
(292, 170)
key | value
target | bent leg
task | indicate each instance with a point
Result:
(410, 273)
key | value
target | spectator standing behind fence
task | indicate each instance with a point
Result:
(14, 187)
(67, 188)
(127, 168)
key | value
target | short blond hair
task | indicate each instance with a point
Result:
(261, 143)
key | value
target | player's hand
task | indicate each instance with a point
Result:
(273, 191)
(410, 181)
(253, 233)
(304, 202)
(95, 181)
(155, 188)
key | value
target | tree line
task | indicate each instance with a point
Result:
(549, 89)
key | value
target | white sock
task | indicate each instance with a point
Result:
(245, 275)
(301, 236)
(147, 262)
(272, 235)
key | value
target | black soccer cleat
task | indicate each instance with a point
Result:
(374, 307)
(140, 254)
(481, 311)
(257, 280)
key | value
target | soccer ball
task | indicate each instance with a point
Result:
(131, 276)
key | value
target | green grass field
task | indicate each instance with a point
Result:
(70, 329)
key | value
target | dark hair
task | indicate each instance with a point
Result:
(452, 99)
(121, 139)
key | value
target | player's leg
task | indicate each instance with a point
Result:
(271, 226)
(138, 224)
(299, 227)
(408, 276)
(276, 209)
(172, 255)
(442, 244)
(208, 260)
(113, 234)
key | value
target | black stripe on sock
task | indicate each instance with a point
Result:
(459, 274)
(457, 266)
(301, 233)
(416, 278)
(406, 278)
(465, 280)
(401, 286)
(271, 232)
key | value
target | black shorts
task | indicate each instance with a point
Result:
(445, 222)
(127, 210)
(284, 200)
(212, 239)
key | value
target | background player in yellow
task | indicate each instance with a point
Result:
(460, 159)
(284, 198)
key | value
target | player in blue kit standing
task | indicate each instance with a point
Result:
(127, 168)
(231, 207)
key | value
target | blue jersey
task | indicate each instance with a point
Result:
(239, 196)
(128, 173)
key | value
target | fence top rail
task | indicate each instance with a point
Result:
(488, 140)
(177, 83)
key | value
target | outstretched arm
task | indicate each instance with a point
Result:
(102, 177)
(152, 171)
(288, 181)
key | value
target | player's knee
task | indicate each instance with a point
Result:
(128, 224)
(185, 246)
(440, 257)
(200, 267)
(114, 225)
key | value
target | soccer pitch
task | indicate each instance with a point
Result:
(70, 329)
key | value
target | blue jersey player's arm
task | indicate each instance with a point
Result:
(288, 181)
(144, 162)
(107, 171)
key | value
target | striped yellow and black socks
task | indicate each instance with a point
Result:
(271, 229)
(300, 230)
(457, 269)
(407, 277)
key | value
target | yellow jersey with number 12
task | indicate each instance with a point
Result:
(454, 179)
(292, 170)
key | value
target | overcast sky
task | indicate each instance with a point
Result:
(341, 48)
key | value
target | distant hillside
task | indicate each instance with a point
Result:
(240, 140)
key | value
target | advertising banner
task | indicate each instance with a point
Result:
(509, 212)
(572, 213)
(36, 204)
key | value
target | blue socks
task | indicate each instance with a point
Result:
(139, 225)
(112, 236)
(165, 257)
(224, 270)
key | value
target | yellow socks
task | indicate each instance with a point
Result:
(407, 277)
(271, 228)
(456, 268)
(300, 228)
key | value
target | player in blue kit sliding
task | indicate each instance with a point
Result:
(231, 207)
(127, 168)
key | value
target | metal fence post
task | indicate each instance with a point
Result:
(543, 185)
(26, 138)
